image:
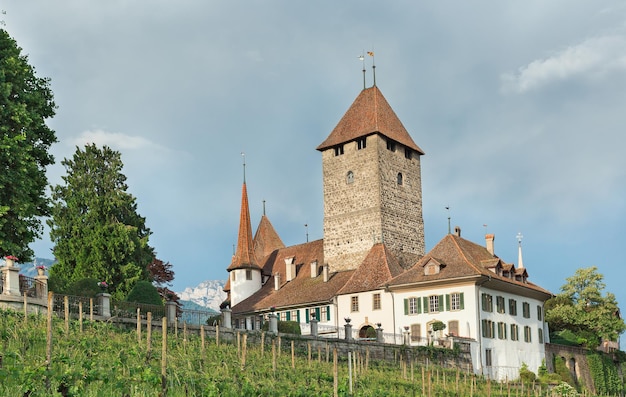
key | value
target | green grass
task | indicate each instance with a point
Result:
(107, 361)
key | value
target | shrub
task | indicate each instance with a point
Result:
(145, 292)
(83, 287)
(285, 327)
(217, 319)
(527, 376)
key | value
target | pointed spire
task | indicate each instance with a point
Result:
(244, 255)
(520, 262)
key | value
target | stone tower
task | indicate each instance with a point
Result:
(372, 186)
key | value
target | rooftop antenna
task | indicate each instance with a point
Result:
(306, 228)
(520, 263)
(371, 53)
(243, 156)
(448, 209)
(362, 59)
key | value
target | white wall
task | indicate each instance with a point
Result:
(240, 287)
(367, 315)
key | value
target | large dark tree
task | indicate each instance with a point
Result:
(95, 226)
(26, 101)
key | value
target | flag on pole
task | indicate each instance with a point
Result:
(370, 53)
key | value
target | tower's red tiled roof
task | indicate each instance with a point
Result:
(378, 267)
(244, 255)
(370, 113)
(266, 240)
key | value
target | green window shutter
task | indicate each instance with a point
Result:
(406, 307)
(298, 315)
(440, 308)
(462, 302)
(425, 300)
(317, 313)
(306, 316)
(327, 313)
(447, 302)
(288, 316)
(419, 305)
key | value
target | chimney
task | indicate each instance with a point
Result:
(313, 269)
(489, 242)
(276, 281)
(325, 272)
(290, 268)
(457, 231)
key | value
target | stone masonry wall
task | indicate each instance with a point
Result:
(373, 208)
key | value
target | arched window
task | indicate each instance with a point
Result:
(400, 179)
(350, 177)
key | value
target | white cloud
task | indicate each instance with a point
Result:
(115, 140)
(591, 59)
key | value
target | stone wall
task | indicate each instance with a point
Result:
(372, 207)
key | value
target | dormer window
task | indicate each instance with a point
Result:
(361, 143)
(391, 145)
(349, 177)
(338, 150)
(431, 269)
(407, 153)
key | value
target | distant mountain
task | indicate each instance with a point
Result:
(208, 294)
(29, 269)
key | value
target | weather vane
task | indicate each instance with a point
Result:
(448, 209)
(519, 238)
(362, 59)
(306, 227)
(371, 53)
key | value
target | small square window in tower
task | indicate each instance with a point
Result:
(349, 177)
(361, 143)
(248, 274)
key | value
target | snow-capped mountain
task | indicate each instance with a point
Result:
(208, 293)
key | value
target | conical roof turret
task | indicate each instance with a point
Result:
(245, 257)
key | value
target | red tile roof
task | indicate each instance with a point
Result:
(370, 113)
(462, 258)
(266, 240)
(303, 289)
(378, 267)
(244, 255)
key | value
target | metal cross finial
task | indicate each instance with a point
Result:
(306, 227)
(448, 209)
(519, 238)
(362, 59)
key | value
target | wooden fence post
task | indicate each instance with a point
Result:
(91, 309)
(149, 332)
(25, 309)
(80, 316)
(335, 374)
(138, 325)
(66, 305)
(164, 358)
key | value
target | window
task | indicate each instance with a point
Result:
(527, 335)
(454, 301)
(512, 307)
(501, 330)
(361, 143)
(526, 310)
(539, 313)
(453, 328)
(294, 316)
(488, 358)
(354, 304)
(233, 273)
(412, 306)
(376, 302)
(248, 274)
(514, 332)
(400, 180)
(433, 304)
(540, 335)
(487, 303)
(407, 153)
(500, 304)
(338, 150)
(488, 329)
(416, 332)
(349, 177)
(391, 145)
(283, 316)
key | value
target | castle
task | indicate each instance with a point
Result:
(371, 267)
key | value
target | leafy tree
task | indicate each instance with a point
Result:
(145, 292)
(95, 225)
(583, 309)
(161, 275)
(26, 101)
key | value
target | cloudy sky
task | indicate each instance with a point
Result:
(519, 106)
